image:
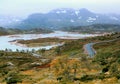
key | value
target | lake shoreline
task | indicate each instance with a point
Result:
(10, 42)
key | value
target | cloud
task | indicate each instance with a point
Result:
(22, 7)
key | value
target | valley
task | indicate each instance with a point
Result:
(59, 42)
(67, 63)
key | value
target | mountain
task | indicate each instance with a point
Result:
(66, 17)
(94, 28)
(8, 21)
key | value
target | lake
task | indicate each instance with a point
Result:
(5, 40)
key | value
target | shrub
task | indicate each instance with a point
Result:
(118, 76)
(104, 70)
(87, 77)
(13, 78)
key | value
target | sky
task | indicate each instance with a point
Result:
(27, 7)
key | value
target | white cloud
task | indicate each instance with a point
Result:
(29, 6)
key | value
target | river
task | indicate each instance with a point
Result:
(5, 40)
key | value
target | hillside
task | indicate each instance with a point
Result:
(95, 28)
(9, 31)
(66, 64)
(66, 17)
(9, 20)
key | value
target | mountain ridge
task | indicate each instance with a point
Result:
(65, 17)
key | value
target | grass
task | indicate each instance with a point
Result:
(68, 63)
(43, 41)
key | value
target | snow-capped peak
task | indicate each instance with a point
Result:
(77, 12)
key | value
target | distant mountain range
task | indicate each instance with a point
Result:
(9, 21)
(63, 17)
(94, 28)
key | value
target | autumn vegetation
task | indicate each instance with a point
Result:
(66, 64)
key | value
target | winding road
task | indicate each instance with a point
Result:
(91, 51)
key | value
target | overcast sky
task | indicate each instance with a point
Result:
(26, 7)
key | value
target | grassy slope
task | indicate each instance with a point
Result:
(68, 62)
(9, 31)
(95, 28)
(43, 41)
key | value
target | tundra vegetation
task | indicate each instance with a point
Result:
(66, 64)
(10, 31)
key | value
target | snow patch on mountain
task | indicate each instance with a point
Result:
(114, 18)
(64, 11)
(91, 19)
(80, 17)
(77, 12)
(72, 20)
(58, 12)
(97, 16)
(8, 20)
